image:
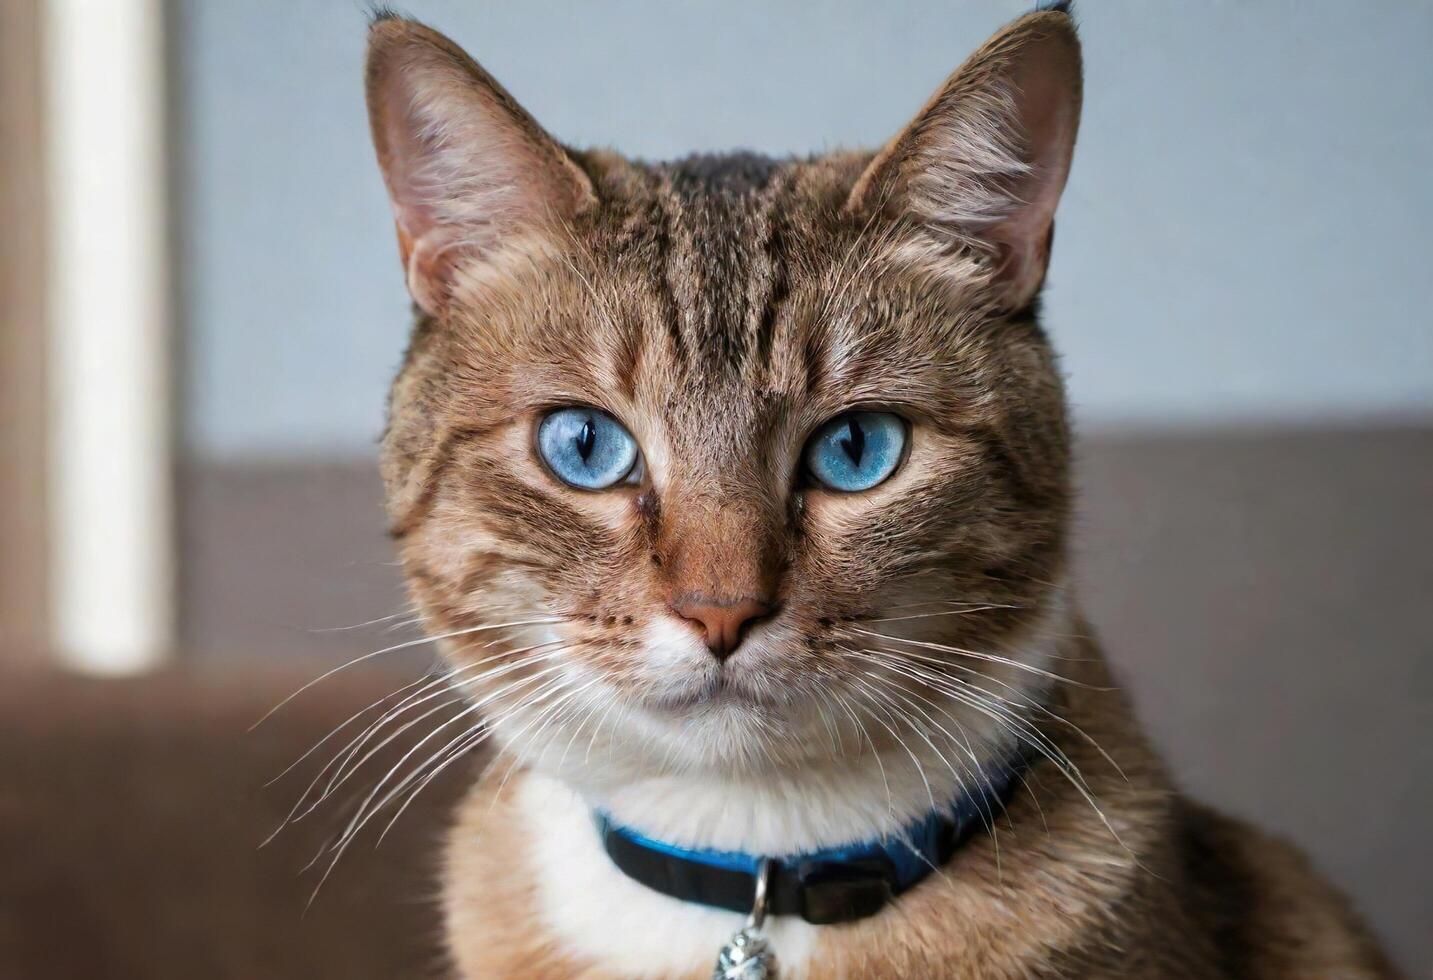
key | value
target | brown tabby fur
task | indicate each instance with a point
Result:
(723, 308)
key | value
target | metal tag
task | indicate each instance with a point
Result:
(748, 954)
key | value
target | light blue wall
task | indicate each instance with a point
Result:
(1247, 233)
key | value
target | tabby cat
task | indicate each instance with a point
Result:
(739, 491)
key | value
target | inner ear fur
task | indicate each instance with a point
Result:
(468, 170)
(983, 164)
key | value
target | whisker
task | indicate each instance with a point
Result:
(963, 742)
(393, 649)
(940, 755)
(861, 732)
(587, 756)
(977, 655)
(344, 724)
(359, 819)
(946, 612)
(408, 613)
(344, 753)
(987, 789)
(902, 743)
(587, 716)
(897, 691)
(367, 808)
(1025, 700)
(1041, 744)
(977, 699)
(413, 700)
(546, 716)
(467, 747)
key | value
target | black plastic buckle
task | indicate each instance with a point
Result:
(844, 891)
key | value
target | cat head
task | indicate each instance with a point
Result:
(730, 462)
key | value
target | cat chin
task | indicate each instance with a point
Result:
(719, 739)
(719, 696)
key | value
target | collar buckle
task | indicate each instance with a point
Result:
(844, 891)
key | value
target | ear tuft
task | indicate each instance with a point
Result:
(379, 12)
(468, 171)
(982, 165)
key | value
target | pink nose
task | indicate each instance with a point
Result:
(723, 621)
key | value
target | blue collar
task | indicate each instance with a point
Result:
(833, 884)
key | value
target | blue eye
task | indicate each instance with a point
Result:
(856, 451)
(586, 448)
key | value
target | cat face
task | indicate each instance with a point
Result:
(731, 462)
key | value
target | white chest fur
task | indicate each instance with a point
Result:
(596, 912)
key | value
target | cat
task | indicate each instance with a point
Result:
(738, 490)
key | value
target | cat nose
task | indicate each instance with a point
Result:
(723, 621)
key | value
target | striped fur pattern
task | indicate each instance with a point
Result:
(723, 308)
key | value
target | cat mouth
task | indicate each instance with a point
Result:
(716, 691)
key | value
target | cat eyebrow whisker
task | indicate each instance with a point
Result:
(887, 234)
(597, 299)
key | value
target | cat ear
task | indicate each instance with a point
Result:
(983, 163)
(468, 170)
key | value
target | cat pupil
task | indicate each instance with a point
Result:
(586, 439)
(854, 442)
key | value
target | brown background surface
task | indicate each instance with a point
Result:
(131, 814)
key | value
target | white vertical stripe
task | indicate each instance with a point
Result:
(112, 562)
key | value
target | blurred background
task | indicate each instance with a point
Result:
(201, 306)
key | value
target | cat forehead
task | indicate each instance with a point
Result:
(736, 260)
(733, 287)
(724, 240)
(704, 175)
